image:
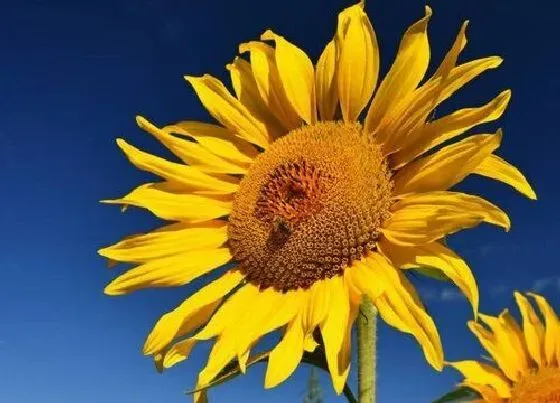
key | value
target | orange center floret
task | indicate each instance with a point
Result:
(310, 205)
(541, 387)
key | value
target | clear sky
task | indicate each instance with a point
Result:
(72, 77)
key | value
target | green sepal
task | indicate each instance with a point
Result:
(461, 394)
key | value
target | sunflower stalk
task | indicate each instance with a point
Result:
(367, 339)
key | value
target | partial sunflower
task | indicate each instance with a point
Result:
(311, 208)
(527, 360)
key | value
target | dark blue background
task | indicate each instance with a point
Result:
(72, 77)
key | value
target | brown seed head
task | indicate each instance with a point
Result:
(543, 386)
(309, 206)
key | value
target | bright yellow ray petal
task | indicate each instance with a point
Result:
(438, 131)
(326, 88)
(450, 59)
(169, 271)
(509, 340)
(412, 115)
(426, 217)
(180, 321)
(228, 312)
(180, 351)
(285, 357)
(269, 310)
(401, 307)
(316, 308)
(402, 79)
(437, 256)
(533, 330)
(269, 83)
(358, 64)
(216, 139)
(496, 168)
(488, 393)
(221, 354)
(345, 354)
(333, 329)
(191, 152)
(174, 206)
(484, 374)
(228, 110)
(246, 90)
(190, 177)
(360, 281)
(552, 328)
(297, 76)
(446, 167)
(169, 240)
(501, 355)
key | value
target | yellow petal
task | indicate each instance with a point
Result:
(401, 307)
(169, 271)
(488, 393)
(496, 168)
(446, 167)
(484, 374)
(533, 330)
(269, 83)
(402, 79)
(326, 82)
(228, 110)
(192, 153)
(437, 256)
(169, 240)
(285, 357)
(412, 114)
(218, 140)
(509, 340)
(268, 311)
(360, 280)
(450, 59)
(316, 307)
(246, 90)
(358, 64)
(220, 355)
(174, 206)
(180, 321)
(191, 178)
(552, 329)
(297, 76)
(426, 217)
(333, 330)
(435, 133)
(200, 396)
(178, 352)
(345, 354)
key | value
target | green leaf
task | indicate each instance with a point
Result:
(462, 394)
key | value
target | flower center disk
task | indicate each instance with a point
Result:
(540, 387)
(309, 206)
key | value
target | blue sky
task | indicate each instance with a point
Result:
(74, 75)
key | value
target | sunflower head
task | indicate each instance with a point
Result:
(299, 218)
(303, 208)
(526, 358)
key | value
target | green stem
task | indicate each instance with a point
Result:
(367, 338)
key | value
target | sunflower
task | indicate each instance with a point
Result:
(306, 207)
(527, 360)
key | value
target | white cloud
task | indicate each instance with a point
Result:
(450, 294)
(545, 282)
(445, 294)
